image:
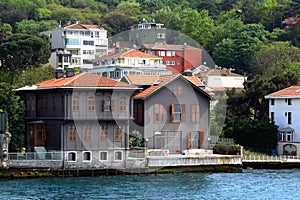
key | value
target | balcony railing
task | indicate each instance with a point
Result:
(54, 156)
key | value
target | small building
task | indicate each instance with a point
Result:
(177, 58)
(83, 41)
(116, 65)
(172, 113)
(84, 115)
(220, 79)
(284, 112)
(147, 33)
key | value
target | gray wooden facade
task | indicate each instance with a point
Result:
(190, 132)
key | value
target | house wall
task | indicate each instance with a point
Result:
(166, 98)
(58, 121)
(281, 109)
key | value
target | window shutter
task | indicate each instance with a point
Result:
(172, 113)
(183, 115)
(102, 105)
(112, 105)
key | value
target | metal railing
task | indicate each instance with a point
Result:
(266, 158)
(57, 155)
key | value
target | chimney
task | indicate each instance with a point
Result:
(70, 72)
(59, 72)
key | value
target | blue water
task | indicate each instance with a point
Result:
(251, 184)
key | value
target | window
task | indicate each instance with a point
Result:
(62, 103)
(103, 155)
(195, 139)
(75, 104)
(43, 103)
(30, 104)
(170, 62)
(91, 104)
(88, 52)
(53, 103)
(72, 156)
(88, 42)
(170, 140)
(161, 53)
(70, 41)
(158, 113)
(289, 117)
(122, 104)
(289, 101)
(177, 91)
(40, 132)
(103, 134)
(272, 117)
(170, 53)
(118, 155)
(119, 135)
(272, 102)
(87, 157)
(108, 105)
(72, 134)
(161, 35)
(87, 134)
(195, 111)
(178, 112)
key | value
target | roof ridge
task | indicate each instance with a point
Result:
(74, 78)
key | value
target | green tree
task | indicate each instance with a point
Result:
(118, 22)
(5, 31)
(34, 27)
(20, 51)
(12, 104)
(198, 25)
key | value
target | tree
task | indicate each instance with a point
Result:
(34, 27)
(198, 25)
(118, 22)
(5, 31)
(274, 58)
(20, 51)
(12, 104)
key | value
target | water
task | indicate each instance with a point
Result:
(251, 184)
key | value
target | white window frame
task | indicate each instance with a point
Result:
(84, 160)
(115, 156)
(69, 152)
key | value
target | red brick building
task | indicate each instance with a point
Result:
(177, 58)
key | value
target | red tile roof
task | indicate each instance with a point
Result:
(141, 80)
(132, 53)
(84, 79)
(168, 47)
(292, 91)
(83, 26)
(159, 83)
(163, 80)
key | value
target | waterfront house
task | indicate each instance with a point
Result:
(79, 43)
(84, 115)
(117, 64)
(172, 113)
(284, 112)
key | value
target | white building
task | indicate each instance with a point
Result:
(284, 110)
(117, 65)
(83, 41)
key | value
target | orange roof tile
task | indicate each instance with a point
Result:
(292, 91)
(194, 80)
(141, 80)
(160, 82)
(84, 79)
(138, 54)
(82, 26)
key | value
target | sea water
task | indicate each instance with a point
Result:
(250, 184)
